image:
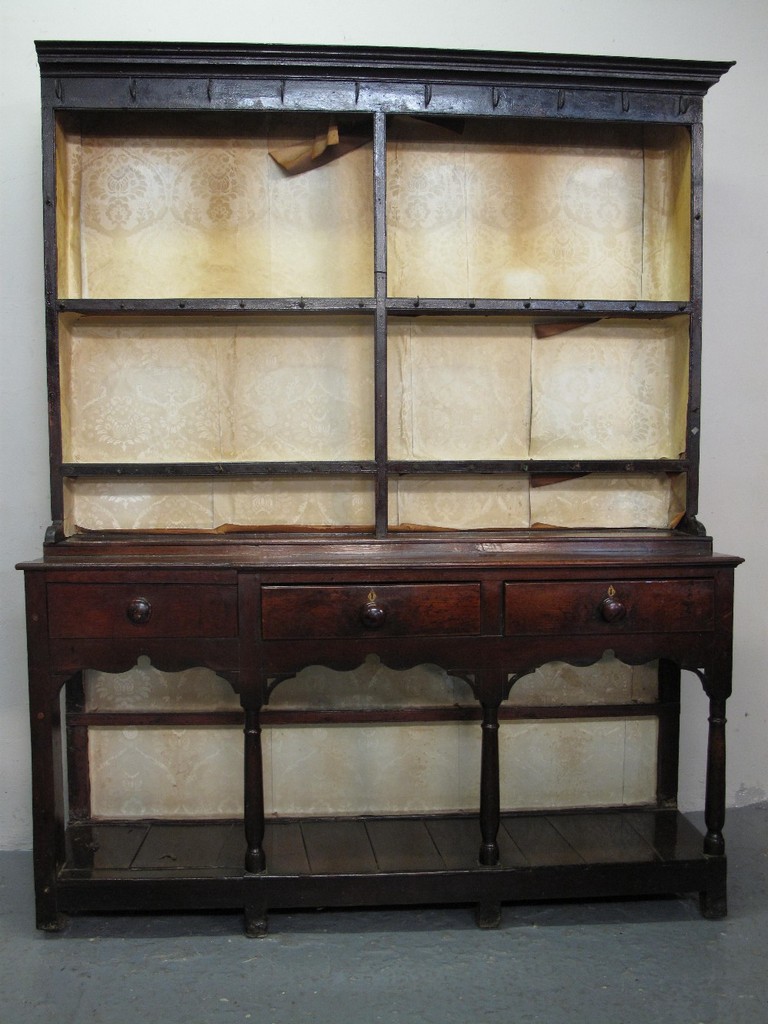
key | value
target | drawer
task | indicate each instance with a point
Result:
(296, 612)
(94, 610)
(639, 606)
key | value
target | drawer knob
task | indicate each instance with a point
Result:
(612, 610)
(139, 610)
(372, 615)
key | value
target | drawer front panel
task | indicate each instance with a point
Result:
(639, 606)
(297, 612)
(89, 610)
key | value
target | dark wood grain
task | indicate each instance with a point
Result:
(111, 610)
(284, 849)
(671, 835)
(328, 611)
(539, 841)
(183, 846)
(338, 847)
(403, 845)
(603, 838)
(648, 605)
(457, 839)
(94, 847)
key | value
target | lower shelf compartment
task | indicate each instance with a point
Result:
(374, 861)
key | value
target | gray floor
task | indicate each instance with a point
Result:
(604, 962)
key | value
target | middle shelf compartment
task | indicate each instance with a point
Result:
(288, 413)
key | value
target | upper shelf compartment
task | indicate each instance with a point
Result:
(505, 208)
(213, 206)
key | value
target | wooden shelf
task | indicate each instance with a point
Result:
(566, 855)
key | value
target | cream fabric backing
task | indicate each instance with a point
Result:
(187, 772)
(526, 210)
(490, 389)
(220, 390)
(165, 390)
(416, 502)
(619, 502)
(490, 502)
(612, 390)
(154, 772)
(279, 388)
(499, 208)
(502, 209)
(164, 216)
(150, 504)
(459, 389)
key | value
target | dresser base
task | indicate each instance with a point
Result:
(386, 861)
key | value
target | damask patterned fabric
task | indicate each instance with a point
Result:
(235, 390)
(513, 209)
(415, 502)
(372, 685)
(167, 216)
(490, 388)
(459, 388)
(276, 388)
(527, 210)
(187, 772)
(181, 773)
(612, 390)
(150, 504)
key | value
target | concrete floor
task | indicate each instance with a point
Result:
(602, 962)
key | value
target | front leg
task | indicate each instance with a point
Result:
(255, 860)
(714, 843)
(713, 901)
(490, 799)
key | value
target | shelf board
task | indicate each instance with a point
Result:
(399, 860)
(215, 306)
(362, 716)
(537, 467)
(323, 846)
(214, 469)
(556, 309)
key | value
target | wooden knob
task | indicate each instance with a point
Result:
(372, 615)
(139, 611)
(612, 610)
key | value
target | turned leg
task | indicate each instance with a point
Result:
(713, 901)
(255, 912)
(715, 798)
(255, 859)
(488, 911)
(490, 801)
